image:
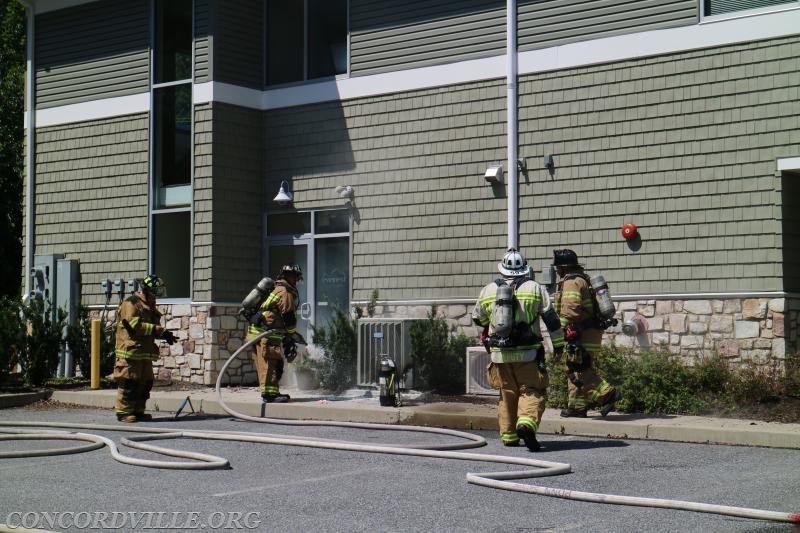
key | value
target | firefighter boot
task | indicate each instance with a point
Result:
(275, 398)
(571, 412)
(608, 406)
(529, 437)
(128, 419)
(143, 417)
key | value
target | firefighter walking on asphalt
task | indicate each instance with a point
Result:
(583, 333)
(278, 312)
(509, 310)
(138, 326)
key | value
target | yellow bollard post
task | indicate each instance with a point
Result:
(95, 381)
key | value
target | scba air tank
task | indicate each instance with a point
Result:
(387, 381)
(600, 287)
(256, 297)
(503, 312)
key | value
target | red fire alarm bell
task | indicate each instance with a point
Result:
(629, 231)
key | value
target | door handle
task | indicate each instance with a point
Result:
(305, 310)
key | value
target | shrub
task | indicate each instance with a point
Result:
(438, 357)
(11, 336)
(40, 353)
(79, 337)
(792, 375)
(336, 371)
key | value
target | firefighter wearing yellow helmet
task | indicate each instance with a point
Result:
(277, 312)
(138, 326)
(583, 331)
(509, 310)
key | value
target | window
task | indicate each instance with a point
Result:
(306, 39)
(171, 146)
(719, 7)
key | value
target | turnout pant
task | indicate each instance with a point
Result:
(268, 356)
(523, 396)
(134, 379)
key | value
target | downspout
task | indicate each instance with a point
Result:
(30, 140)
(511, 102)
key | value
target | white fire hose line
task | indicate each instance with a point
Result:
(497, 480)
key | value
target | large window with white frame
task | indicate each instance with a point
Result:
(724, 7)
(171, 145)
(306, 39)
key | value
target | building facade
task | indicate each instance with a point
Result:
(160, 132)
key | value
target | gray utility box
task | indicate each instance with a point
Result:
(384, 337)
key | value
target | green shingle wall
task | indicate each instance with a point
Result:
(682, 145)
(91, 198)
(228, 251)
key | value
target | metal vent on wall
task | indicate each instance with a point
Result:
(378, 337)
(477, 378)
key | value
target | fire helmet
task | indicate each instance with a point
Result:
(513, 264)
(154, 285)
(292, 268)
(565, 258)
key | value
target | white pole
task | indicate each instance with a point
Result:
(511, 80)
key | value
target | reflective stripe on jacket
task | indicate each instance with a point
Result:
(278, 311)
(144, 322)
(532, 301)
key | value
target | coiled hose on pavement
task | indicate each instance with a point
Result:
(497, 480)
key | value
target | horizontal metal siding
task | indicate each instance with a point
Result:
(91, 198)
(388, 36)
(239, 38)
(203, 40)
(92, 51)
(552, 22)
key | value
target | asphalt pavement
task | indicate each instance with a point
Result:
(360, 405)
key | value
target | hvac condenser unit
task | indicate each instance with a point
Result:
(477, 378)
(382, 337)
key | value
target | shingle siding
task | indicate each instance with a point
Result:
(203, 40)
(239, 37)
(91, 198)
(682, 145)
(228, 204)
(92, 51)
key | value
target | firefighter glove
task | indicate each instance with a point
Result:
(297, 338)
(257, 319)
(558, 351)
(289, 349)
(169, 337)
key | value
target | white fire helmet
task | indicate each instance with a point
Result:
(513, 264)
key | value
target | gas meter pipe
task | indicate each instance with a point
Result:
(498, 480)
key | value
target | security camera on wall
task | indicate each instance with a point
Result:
(494, 174)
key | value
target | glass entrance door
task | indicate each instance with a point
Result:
(319, 241)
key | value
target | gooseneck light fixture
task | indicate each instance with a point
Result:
(284, 196)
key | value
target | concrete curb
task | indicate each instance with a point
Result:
(19, 399)
(462, 416)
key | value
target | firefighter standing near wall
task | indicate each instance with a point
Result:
(509, 309)
(278, 311)
(583, 332)
(138, 327)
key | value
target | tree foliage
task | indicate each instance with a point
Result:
(12, 101)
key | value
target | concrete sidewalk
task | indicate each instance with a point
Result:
(363, 406)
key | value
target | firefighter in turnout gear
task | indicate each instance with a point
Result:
(509, 310)
(583, 332)
(278, 311)
(138, 327)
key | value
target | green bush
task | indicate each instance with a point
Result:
(659, 382)
(438, 357)
(40, 353)
(12, 336)
(336, 371)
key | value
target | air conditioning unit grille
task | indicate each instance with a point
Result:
(477, 378)
(379, 338)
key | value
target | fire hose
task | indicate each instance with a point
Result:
(198, 461)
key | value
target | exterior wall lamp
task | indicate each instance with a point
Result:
(284, 196)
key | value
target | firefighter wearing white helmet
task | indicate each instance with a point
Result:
(278, 312)
(508, 309)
